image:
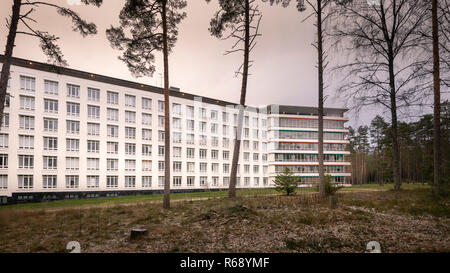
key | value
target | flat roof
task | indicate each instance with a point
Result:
(305, 110)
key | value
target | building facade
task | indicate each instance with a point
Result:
(72, 134)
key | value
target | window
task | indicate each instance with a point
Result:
(93, 146)
(214, 128)
(226, 155)
(176, 151)
(161, 181)
(176, 123)
(50, 106)
(190, 166)
(255, 145)
(130, 117)
(130, 100)
(176, 108)
(3, 161)
(112, 97)
(255, 169)
(214, 141)
(7, 100)
(215, 167)
(203, 167)
(226, 181)
(160, 106)
(177, 166)
(202, 112)
(190, 125)
(214, 154)
(25, 181)
(26, 161)
(176, 137)
(130, 181)
(203, 180)
(191, 181)
(72, 145)
(226, 168)
(26, 122)
(246, 121)
(49, 181)
(93, 111)
(130, 132)
(161, 166)
(146, 119)
(50, 125)
(113, 147)
(5, 122)
(146, 149)
(190, 152)
(177, 181)
(161, 136)
(161, 121)
(203, 140)
(27, 103)
(202, 126)
(4, 140)
(146, 134)
(72, 181)
(112, 164)
(50, 162)
(73, 109)
(93, 164)
(130, 165)
(214, 115)
(51, 87)
(189, 138)
(190, 111)
(72, 163)
(27, 83)
(130, 148)
(26, 142)
(112, 181)
(146, 181)
(246, 156)
(92, 181)
(147, 103)
(112, 114)
(113, 130)
(161, 150)
(93, 129)
(225, 130)
(93, 94)
(146, 165)
(73, 91)
(225, 116)
(215, 181)
(256, 181)
(255, 156)
(72, 126)
(225, 142)
(202, 153)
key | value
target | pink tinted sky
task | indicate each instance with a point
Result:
(284, 71)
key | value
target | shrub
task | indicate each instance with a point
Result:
(330, 187)
(286, 182)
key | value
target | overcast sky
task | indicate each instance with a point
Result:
(284, 70)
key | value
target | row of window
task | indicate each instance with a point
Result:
(52, 87)
(308, 158)
(93, 181)
(73, 163)
(311, 169)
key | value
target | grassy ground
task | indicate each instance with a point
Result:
(410, 220)
(178, 196)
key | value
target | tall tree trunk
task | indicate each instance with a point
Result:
(237, 141)
(8, 55)
(166, 201)
(320, 111)
(437, 101)
(395, 145)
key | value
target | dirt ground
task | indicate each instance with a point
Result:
(405, 221)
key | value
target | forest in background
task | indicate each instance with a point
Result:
(371, 150)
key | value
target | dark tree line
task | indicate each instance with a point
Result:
(371, 150)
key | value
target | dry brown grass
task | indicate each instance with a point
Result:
(301, 223)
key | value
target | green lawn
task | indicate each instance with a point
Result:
(180, 196)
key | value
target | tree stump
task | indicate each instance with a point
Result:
(333, 201)
(136, 233)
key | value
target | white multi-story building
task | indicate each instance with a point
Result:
(73, 134)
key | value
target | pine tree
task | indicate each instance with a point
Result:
(286, 182)
(153, 26)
